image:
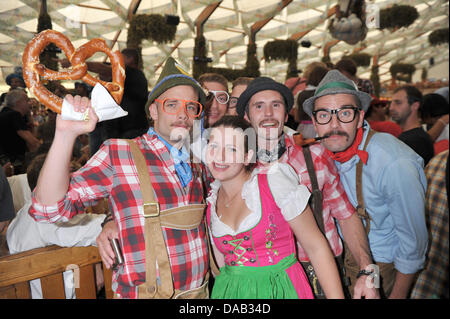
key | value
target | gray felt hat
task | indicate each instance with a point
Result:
(335, 82)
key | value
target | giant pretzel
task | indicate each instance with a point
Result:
(33, 70)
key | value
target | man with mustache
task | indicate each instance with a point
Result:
(265, 104)
(154, 190)
(382, 177)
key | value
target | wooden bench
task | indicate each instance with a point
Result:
(48, 265)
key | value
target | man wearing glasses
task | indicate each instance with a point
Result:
(217, 98)
(154, 190)
(238, 86)
(265, 104)
(391, 188)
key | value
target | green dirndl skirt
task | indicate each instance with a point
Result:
(266, 282)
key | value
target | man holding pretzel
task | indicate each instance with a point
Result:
(154, 190)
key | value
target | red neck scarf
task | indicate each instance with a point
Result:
(351, 151)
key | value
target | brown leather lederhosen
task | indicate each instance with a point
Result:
(185, 218)
(387, 270)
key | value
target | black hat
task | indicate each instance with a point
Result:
(434, 105)
(263, 84)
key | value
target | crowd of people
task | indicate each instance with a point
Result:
(210, 195)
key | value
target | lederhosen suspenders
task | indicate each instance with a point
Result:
(361, 208)
(186, 217)
(317, 198)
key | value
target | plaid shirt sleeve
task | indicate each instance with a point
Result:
(87, 185)
(336, 204)
(432, 281)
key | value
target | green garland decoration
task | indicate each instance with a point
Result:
(402, 71)
(149, 26)
(361, 59)
(438, 36)
(200, 66)
(283, 50)
(398, 16)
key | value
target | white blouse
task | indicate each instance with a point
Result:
(291, 196)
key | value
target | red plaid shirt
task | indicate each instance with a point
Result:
(111, 173)
(335, 200)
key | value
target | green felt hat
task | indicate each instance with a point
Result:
(335, 82)
(172, 75)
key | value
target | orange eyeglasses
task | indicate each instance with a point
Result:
(173, 105)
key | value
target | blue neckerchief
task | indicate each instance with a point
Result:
(180, 158)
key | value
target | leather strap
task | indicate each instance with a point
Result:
(316, 193)
(212, 261)
(185, 218)
(155, 247)
(361, 208)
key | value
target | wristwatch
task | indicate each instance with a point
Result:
(364, 273)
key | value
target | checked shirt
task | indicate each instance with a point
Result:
(335, 201)
(111, 173)
(433, 280)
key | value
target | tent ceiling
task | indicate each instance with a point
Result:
(227, 31)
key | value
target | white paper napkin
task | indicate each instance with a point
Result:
(102, 102)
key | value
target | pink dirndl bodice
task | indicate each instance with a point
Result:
(265, 244)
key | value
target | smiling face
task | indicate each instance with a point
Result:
(341, 135)
(216, 110)
(173, 127)
(267, 114)
(226, 154)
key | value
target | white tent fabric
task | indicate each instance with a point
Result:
(226, 31)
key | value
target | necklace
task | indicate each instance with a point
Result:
(227, 204)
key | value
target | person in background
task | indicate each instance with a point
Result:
(217, 86)
(435, 114)
(16, 138)
(349, 68)
(433, 280)
(24, 233)
(15, 81)
(6, 202)
(315, 75)
(238, 86)
(406, 109)
(377, 116)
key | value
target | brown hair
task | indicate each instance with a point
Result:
(213, 77)
(237, 122)
(311, 66)
(347, 65)
(241, 81)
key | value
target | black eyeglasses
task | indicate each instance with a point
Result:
(345, 114)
